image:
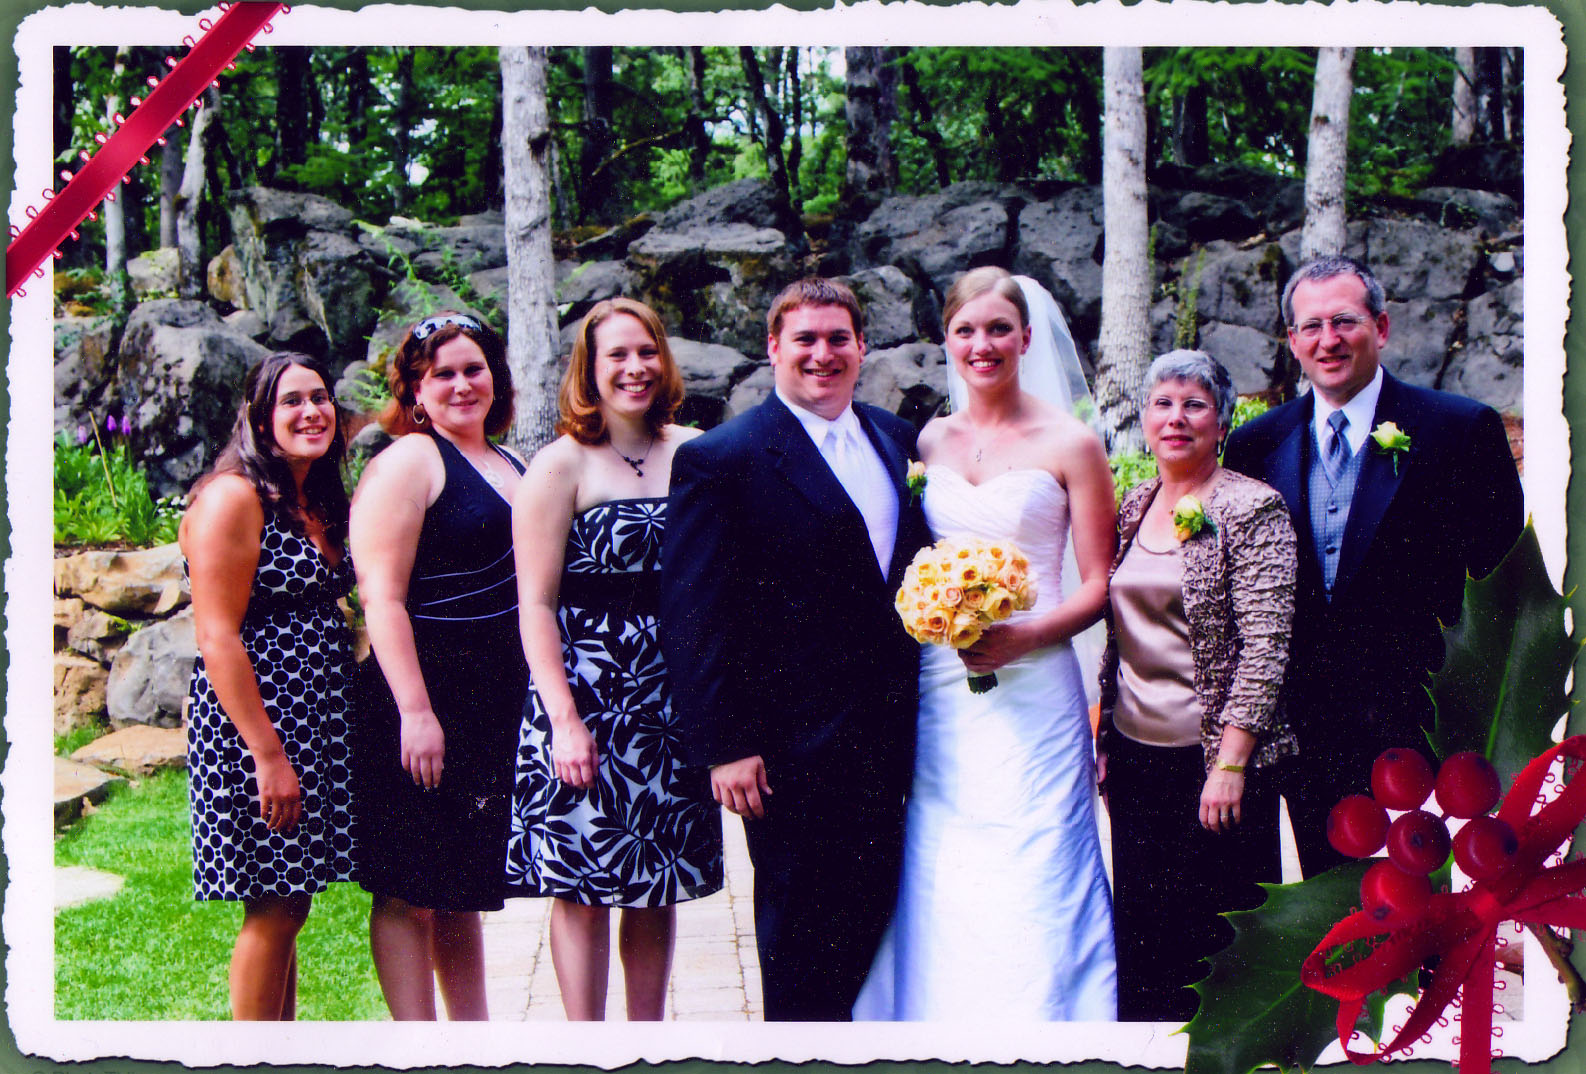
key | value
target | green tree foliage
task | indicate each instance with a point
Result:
(416, 130)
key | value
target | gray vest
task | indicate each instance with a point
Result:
(1329, 505)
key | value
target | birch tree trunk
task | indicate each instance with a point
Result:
(114, 214)
(1464, 116)
(191, 276)
(532, 336)
(1124, 344)
(1327, 154)
(170, 183)
(870, 104)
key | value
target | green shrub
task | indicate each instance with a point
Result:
(102, 498)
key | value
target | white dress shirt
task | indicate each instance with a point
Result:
(1360, 411)
(859, 468)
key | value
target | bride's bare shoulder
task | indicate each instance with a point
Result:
(939, 432)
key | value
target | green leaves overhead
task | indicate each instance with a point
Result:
(1501, 688)
(1254, 1008)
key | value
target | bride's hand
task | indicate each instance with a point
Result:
(1001, 643)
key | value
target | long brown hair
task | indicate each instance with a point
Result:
(579, 398)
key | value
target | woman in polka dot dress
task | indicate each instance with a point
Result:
(267, 728)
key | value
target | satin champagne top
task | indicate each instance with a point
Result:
(1156, 671)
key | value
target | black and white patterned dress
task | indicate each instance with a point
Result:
(647, 834)
(301, 651)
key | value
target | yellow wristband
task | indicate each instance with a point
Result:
(1224, 766)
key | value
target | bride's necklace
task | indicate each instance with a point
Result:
(981, 443)
(636, 464)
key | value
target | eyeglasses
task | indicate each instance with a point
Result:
(1344, 324)
(429, 325)
(317, 398)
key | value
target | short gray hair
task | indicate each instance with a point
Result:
(1197, 367)
(1325, 268)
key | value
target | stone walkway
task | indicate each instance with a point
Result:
(715, 972)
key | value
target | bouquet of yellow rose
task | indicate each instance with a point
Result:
(954, 589)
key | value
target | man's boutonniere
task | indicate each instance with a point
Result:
(1189, 518)
(914, 480)
(1391, 441)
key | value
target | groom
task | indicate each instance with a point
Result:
(1388, 529)
(788, 533)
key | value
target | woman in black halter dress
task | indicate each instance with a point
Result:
(437, 717)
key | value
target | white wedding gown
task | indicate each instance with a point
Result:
(1004, 911)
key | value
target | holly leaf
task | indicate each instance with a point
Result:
(1254, 1008)
(1501, 688)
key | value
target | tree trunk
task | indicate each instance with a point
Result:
(533, 348)
(776, 164)
(927, 124)
(114, 216)
(401, 128)
(170, 183)
(795, 100)
(1190, 141)
(597, 184)
(698, 139)
(1124, 344)
(65, 98)
(1327, 154)
(191, 279)
(1514, 92)
(357, 82)
(291, 110)
(1488, 90)
(1463, 119)
(871, 104)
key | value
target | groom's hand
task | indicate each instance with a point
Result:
(738, 785)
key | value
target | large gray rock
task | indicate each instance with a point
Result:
(155, 273)
(224, 279)
(751, 391)
(588, 282)
(1207, 217)
(1491, 368)
(709, 369)
(1414, 259)
(1421, 335)
(888, 298)
(305, 273)
(910, 381)
(84, 362)
(1060, 248)
(746, 201)
(181, 372)
(938, 236)
(408, 303)
(713, 280)
(1239, 286)
(79, 692)
(1249, 355)
(150, 676)
(1486, 210)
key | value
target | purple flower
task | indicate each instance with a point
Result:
(110, 424)
(82, 434)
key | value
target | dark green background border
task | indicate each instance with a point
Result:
(1571, 13)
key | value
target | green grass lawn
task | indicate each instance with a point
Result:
(153, 953)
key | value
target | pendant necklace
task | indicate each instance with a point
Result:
(636, 464)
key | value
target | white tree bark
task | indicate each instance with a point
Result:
(191, 265)
(1124, 345)
(1464, 116)
(532, 336)
(115, 217)
(1327, 154)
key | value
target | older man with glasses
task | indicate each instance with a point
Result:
(1396, 493)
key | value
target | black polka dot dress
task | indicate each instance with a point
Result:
(301, 652)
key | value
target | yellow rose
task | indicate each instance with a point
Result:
(974, 598)
(936, 621)
(1000, 603)
(952, 595)
(967, 573)
(965, 632)
(925, 570)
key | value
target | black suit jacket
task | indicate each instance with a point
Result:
(1359, 664)
(778, 627)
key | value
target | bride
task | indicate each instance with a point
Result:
(1004, 911)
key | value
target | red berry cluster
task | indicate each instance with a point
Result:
(1395, 891)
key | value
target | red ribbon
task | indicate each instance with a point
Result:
(1462, 928)
(62, 212)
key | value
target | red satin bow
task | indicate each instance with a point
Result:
(1462, 928)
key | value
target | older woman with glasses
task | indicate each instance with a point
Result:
(1199, 608)
(438, 707)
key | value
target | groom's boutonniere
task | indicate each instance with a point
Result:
(1391, 441)
(1189, 518)
(914, 480)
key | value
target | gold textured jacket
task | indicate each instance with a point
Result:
(1239, 601)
